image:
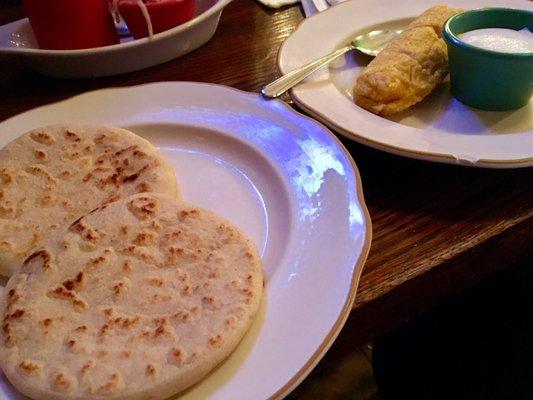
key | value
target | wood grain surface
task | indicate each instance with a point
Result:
(436, 228)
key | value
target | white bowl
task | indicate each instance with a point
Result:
(17, 39)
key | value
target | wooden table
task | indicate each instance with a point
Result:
(436, 228)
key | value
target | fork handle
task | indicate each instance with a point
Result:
(287, 81)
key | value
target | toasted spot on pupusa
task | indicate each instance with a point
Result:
(51, 176)
(149, 309)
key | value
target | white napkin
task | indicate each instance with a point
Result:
(314, 6)
(310, 7)
(277, 3)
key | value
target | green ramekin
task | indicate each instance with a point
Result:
(487, 79)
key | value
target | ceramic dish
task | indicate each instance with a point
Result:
(283, 179)
(472, 69)
(17, 39)
(440, 128)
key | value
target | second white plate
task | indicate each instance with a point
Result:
(284, 179)
(440, 128)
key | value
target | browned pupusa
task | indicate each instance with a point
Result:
(145, 306)
(51, 176)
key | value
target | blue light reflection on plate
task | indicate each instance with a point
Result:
(305, 148)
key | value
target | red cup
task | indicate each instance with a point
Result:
(71, 24)
(164, 15)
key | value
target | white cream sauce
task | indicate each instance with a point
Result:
(500, 39)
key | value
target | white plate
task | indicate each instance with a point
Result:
(439, 128)
(282, 178)
(17, 39)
